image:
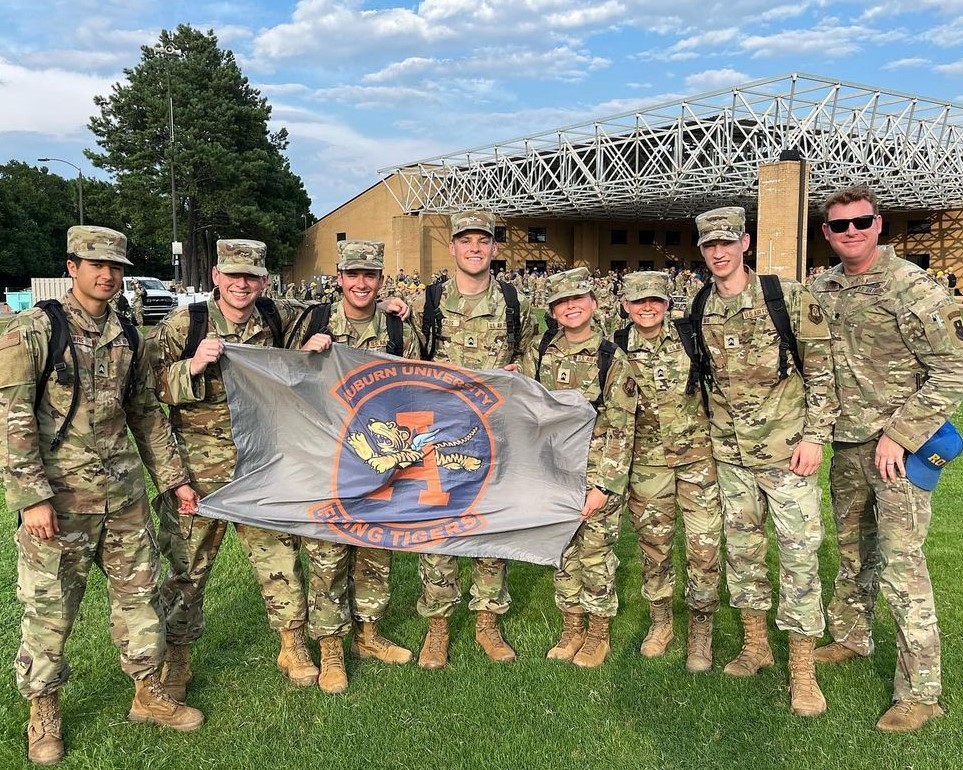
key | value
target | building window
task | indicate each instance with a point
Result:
(646, 237)
(537, 235)
(923, 260)
(646, 264)
(694, 240)
(673, 238)
(620, 237)
(884, 230)
(501, 234)
(618, 265)
(918, 226)
(341, 236)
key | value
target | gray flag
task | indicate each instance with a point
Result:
(372, 450)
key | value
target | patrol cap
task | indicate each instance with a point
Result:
(237, 256)
(725, 224)
(361, 255)
(646, 283)
(463, 221)
(571, 283)
(100, 243)
(923, 466)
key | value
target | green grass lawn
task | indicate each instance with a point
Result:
(630, 713)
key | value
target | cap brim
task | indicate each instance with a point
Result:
(359, 265)
(719, 235)
(568, 293)
(260, 272)
(487, 232)
(636, 296)
(921, 474)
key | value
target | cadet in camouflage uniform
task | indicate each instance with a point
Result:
(138, 306)
(199, 413)
(474, 335)
(82, 501)
(767, 436)
(897, 342)
(585, 581)
(672, 467)
(349, 583)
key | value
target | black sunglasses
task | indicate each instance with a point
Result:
(860, 223)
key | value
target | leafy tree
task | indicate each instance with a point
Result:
(231, 177)
(36, 208)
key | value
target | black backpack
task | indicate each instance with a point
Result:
(432, 316)
(60, 342)
(690, 332)
(604, 363)
(313, 319)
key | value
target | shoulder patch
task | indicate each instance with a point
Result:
(629, 387)
(954, 323)
(815, 313)
(10, 340)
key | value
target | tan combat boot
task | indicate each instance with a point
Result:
(660, 634)
(45, 745)
(152, 703)
(756, 652)
(434, 652)
(572, 638)
(368, 643)
(489, 637)
(834, 652)
(699, 653)
(596, 648)
(294, 661)
(905, 716)
(332, 679)
(805, 697)
(176, 673)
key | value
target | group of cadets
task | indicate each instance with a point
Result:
(721, 416)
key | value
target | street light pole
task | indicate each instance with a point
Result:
(168, 51)
(80, 182)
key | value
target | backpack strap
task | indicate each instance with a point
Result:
(606, 351)
(133, 341)
(543, 344)
(690, 334)
(431, 320)
(318, 316)
(197, 330)
(60, 342)
(269, 310)
(776, 305)
(396, 335)
(513, 315)
(621, 338)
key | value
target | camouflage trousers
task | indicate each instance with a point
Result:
(191, 543)
(441, 590)
(655, 493)
(793, 501)
(585, 581)
(346, 582)
(880, 530)
(52, 577)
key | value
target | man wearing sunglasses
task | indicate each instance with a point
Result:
(897, 341)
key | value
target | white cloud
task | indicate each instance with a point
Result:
(713, 80)
(829, 40)
(780, 12)
(52, 102)
(914, 61)
(946, 35)
(955, 68)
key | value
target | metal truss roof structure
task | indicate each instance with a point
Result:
(672, 160)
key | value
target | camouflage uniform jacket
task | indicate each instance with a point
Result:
(756, 418)
(199, 411)
(671, 428)
(575, 367)
(897, 341)
(96, 468)
(375, 335)
(476, 339)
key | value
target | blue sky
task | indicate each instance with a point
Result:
(364, 85)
